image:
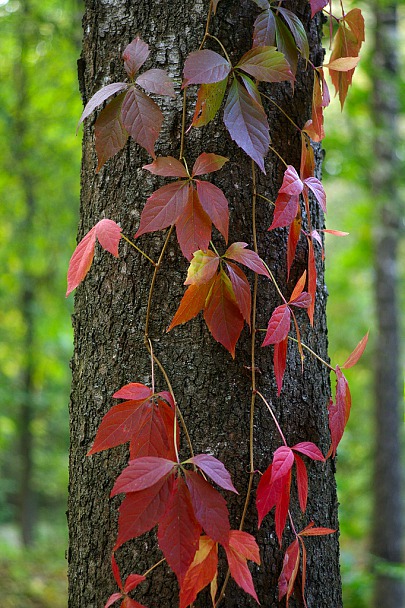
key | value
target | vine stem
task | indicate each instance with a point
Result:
(282, 111)
(273, 416)
(145, 255)
(221, 45)
(313, 353)
(154, 566)
(279, 155)
(280, 293)
(207, 26)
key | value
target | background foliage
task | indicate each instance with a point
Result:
(35, 577)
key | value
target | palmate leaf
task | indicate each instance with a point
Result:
(201, 572)
(205, 67)
(238, 252)
(209, 507)
(193, 226)
(163, 207)
(142, 118)
(192, 303)
(167, 166)
(241, 289)
(215, 204)
(99, 97)
(156, 81)
(242, 547)
(214, 469)
(208, 162)
(202, 268)
(142, 473)
(247, 123)
(134, 56)
(110, 134)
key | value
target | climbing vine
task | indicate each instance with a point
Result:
(161, 489)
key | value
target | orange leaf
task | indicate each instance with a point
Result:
(192, 303)
(201, 572)
(356, 354)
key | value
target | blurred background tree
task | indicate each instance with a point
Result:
(39, 188)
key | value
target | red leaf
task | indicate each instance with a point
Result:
(265, 496)
(168, 166)
(164, 207)
(116, 571)
(118, 426)
(336, 232)
(267, 64)
(140, 511)
(242, 546)
(133, 580)
(278, 326)
(108, 234)
(283, 460)
(134, 56)
(142, 118)
(112, 599)
(208, 163)
(311, 280)
(264, 32)
(193, 227)
(317, 189)
(209, 507)
(293, 238)
(201, 572)
(302, 482)
(310, 531)
(356, 354)
(134, 391)
(110, 135)
(156, 81)
(142, 473)
(99, 97)
(292, 185)
(339, 412)
(282, 506)
(206, 67)
(202, 268)
(317, 5)
(286, 209)
(222, 314)
(247, 123)
(191, 303)
(214, 468)
(303, 301)
(130, 603)
(280, 362)
(248, 258)
(215, 204)
(179, 531)
(289, 572)
(154, 434)
(309, 449)
(241, 289)
(209, 101)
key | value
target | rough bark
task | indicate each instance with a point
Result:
(212, 390)
(388, 521)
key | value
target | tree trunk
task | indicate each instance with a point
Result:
(212, 390)
(388, 521)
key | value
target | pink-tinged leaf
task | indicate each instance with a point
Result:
(292, 184)
(222, 314)
(278, 326)
(242, 546)
(118, 426)
(134, 391)
(267, 494)
(247, 257)
(134, 56)
(202, 268)
(209, 100)
(298, 289)
(112, 599)
(99, 97)
(309, 449)
(356, 354)
(302, 482)
(142, 118)
(241, 289)
(294, 234)
(109, 235)
(315, 236)
(205, 67)
(247, 123)
(267, 64)
(303, 301)
(164, 207)
(140, 511)
(310, 531)
(282, 506)
(209, 507)
(179, 531)
(318, 191)
(193, 227)
(201, 572)
(264, 29)
(289, 572)
(336, 232)
(283, 460)
(280, 362)
(339, 412)
(132, 581)
(317, 5)
(208, 162)
(215, 469)
(311, 280)
(191, 303)
(343, 64)
(167, 166)
(156, 81)
(81, 260)
(110, 135)
(286, 209)
(128, 602)
(142, 473)
(116, 571)
(215, 204)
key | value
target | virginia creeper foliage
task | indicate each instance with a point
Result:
(186, 499)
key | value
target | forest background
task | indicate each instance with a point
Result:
(39, 193)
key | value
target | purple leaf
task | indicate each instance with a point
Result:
(99, 97)
(134, 56)
(156, 81)
(109, 132)
(215, 470)
(264, 32)
(205, 67)
(142, 119)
